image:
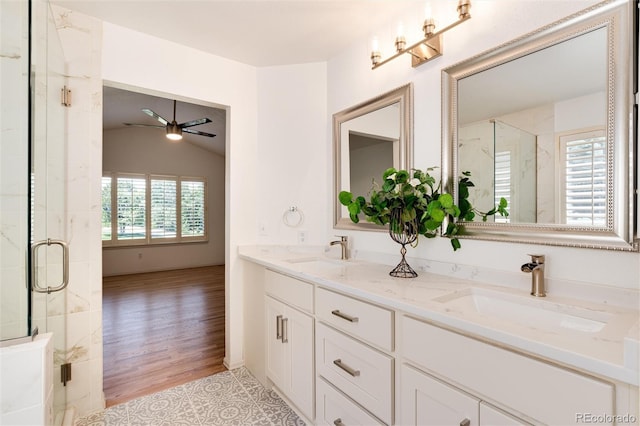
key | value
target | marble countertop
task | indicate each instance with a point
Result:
(611, 351)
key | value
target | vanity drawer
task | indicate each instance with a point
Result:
(290, 290)
(360, 319)
(361, 372)
(333, 408)
(545, 392)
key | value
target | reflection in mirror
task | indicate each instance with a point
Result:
(368, 139)
(541, 121)
(372, 146)
(501, 135)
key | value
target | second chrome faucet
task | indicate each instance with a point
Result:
(344, 242)
(536, 268)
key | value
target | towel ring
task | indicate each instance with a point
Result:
(291, 222)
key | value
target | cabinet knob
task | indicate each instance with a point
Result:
(338, 422)
(465, 422)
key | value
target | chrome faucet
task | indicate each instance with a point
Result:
(343, 241)
(536, 267)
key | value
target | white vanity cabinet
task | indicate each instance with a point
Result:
(353, 354)
(426, 400)
(526, 387)
(289, 339)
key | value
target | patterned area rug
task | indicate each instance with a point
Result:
(229, 398)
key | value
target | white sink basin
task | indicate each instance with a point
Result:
(527, 310)
(317, 262)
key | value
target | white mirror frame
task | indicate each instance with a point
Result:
(403, 96)
(618, 234)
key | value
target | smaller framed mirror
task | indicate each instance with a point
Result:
(368, 138)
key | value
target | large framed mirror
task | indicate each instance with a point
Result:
(368, 138)
(545, 121)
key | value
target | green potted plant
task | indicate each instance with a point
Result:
(413, 204)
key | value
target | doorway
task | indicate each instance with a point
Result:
(163, 241)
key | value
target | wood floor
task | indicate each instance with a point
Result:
(161, 329)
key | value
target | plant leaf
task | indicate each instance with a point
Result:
(345, 198)
(388, 185)
(402, 176)
(388, 173)
(446, 200)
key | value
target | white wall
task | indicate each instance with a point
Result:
(293, 152)
(351, 81)
(138, 150)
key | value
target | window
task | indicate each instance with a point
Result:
(106, 208)
(164, 208)
(584, 160)
(502, 181)
(192, 208)
(149, 209)
(131, 211)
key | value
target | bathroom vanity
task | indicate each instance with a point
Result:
(346, 344)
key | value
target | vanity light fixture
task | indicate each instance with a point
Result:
(426, 49)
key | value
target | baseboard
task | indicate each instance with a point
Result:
(232, 366)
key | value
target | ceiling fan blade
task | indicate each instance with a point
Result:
(143, 125)
(196, 132)
(195, 122)
(154, 115)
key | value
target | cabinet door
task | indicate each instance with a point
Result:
(492, 416)
(298, 335)
(276, 350)
(427, 401)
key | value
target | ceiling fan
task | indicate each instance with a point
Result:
(174, 130)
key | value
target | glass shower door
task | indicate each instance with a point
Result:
(48, 257)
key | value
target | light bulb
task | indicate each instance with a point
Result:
(374, 45)
(427, 11)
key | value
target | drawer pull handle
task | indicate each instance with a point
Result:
(349, 370)
(344, 316)
(338, 422)
(285, 330)
(465, 422)
(279, 327)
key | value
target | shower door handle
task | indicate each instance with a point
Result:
(34, 266)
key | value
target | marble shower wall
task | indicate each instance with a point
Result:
(81, 38)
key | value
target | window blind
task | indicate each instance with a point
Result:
(131, 202)
(193, 208)
(164, 222)
(585, 191)
(146, 209)
(502, 181)
(107, 231)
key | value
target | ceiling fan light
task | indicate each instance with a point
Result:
(174, 132)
